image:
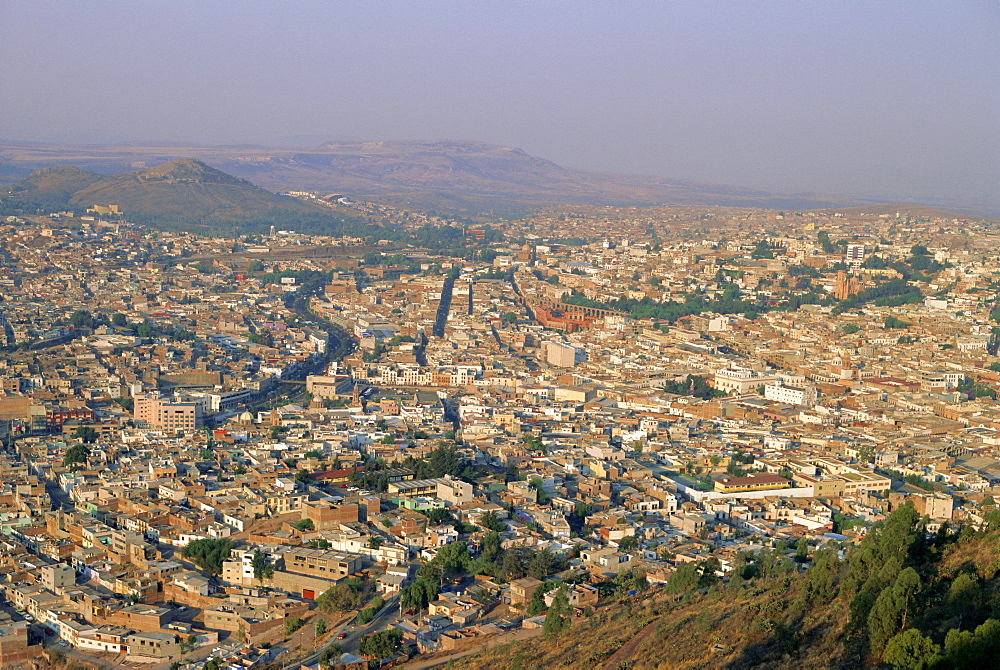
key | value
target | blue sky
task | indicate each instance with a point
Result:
(896, 100)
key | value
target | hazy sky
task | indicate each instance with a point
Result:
(890, 99)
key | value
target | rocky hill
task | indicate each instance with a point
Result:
(179, 192)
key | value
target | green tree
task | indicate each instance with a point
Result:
(802, 550)
(490, 545)
(342, 597)
(78, 453)
(684, 579)
(557, 619)
(82, 319)
(910, 650)
(331, 654)
(261, 564)
(973, 649)
(490, 521)
(209, 554)
(304, 525)
(293, 624)
(628, 543)
(85, 433)
(381, 645)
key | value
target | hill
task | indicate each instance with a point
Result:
(903, 598)
(183, 193)
(455, 176)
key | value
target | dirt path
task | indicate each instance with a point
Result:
(629, 648)
(487, 643)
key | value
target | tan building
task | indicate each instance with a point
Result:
(160, 413)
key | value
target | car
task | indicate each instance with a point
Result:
(28, 617)
(62, 643)
(341, 636)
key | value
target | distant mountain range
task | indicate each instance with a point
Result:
(464, 177)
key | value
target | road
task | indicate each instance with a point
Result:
(386, 616)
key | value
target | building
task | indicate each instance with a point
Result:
(563, 355)
(739, 380)
(855, 254)
(161, 413)
(751, 483)
(320, 563)
(792, 395)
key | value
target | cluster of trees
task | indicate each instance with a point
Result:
(382, 645)
(892, 293)
(445, 460)
(75, 455)
(693, 385)
(347, 595)
(419, 593)
(208, 554)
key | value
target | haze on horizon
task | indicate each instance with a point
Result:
(889, 100)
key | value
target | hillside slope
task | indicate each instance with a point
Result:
(901, 599)
(181, 191)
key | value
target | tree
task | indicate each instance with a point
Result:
(490, 545)
(78, 453)
(510, 317)
(628, 543)
(374, 542)
(346, 595)
(802, 550)
(490, 521)
(261, 564)
(119, 320)
(85, 433)
(331, 653)
(684, 580)
(557, 619)
(304, 525)
(209, 554)
(293, 624)
(81, 319)
(910, 650)
(381, 645)
(885, 619)
(541, 564)
(302, 477)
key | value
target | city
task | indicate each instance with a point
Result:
(298, 449)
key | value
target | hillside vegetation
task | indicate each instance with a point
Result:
(900, 599)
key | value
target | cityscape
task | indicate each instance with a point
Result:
(499, 336)
(290, 448)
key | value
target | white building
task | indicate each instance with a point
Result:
(792, 395)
